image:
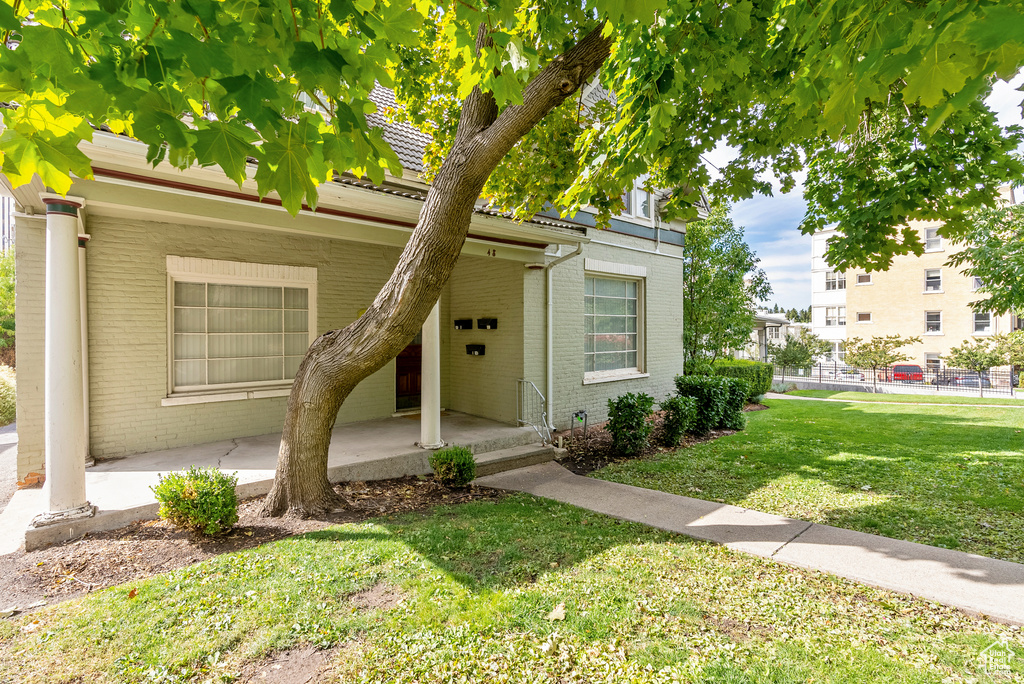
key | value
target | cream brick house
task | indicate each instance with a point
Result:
(196, 301)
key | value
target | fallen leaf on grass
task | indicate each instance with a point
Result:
(558, 613)
(133, 593)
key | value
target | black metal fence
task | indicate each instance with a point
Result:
(909, 378)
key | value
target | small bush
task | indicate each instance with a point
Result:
(679, 415)
(711, 394)
(629, 424)
(200, 499)
(759, 399)
(782, 387)
(454, 466)
(758, 374)
(736, 398)
(698, 367)
(8, 393)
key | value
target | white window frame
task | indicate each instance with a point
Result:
(976, 283)
(939, 288)
(772, 332)
(633, 201)
(932, 361)
(212, 271)
(835, 281)
(991, 324)
(864, 282)
(932, 332)
(932, 240)
(594, 268)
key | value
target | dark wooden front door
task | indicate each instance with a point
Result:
(407, 375)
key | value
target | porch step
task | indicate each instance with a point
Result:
(499, 461)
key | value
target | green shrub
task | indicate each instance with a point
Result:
(679, 415)
(200, 499)
(629, 422)
(758, 374)
(8, 392)
(454, 466)
(698, 367)
(737, 391)
(782, 387)
(711, 394)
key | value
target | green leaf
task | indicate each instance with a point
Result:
(933, 78)
(8, 19)
(53, 158)
(229, 145)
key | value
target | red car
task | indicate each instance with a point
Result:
(905, 373)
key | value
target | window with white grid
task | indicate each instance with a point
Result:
(612, 317)
(237, 332)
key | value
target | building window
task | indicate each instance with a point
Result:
(863, 278)
(835, 315)
(637, 203)
(982, 323)
(932, 362)
(838, 353)
(933, 280)
(232, 333)
(773, 332)
(932, 240)
(612, 317)
(933, 322)
(864, 317)
(976, 284)
(835, 281)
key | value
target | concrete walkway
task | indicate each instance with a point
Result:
(778, 395)
(977, 585)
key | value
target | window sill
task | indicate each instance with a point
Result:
(597, 377)
(933, 334)
(932, 292)
(982, 334)
(188, 399)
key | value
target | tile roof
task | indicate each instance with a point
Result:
(408, 142)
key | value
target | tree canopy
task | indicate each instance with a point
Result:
(287, 83)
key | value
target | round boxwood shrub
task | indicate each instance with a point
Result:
(679, 413)
(199, 499)
(758, 374)
(453, 466)
(735, 399)
(629, 422)
(711, 394)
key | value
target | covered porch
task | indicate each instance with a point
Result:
(369, 450)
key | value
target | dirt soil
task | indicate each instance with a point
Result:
(585, 455)
(104, 559)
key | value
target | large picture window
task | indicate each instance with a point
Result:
(612, 321)
(238, 332)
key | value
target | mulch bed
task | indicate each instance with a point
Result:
(585, 454)
(104, 559)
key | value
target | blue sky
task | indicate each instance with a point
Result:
(771, 223)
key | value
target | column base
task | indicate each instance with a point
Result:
(432, 447)
(87, 510)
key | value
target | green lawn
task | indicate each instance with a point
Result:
(948, 476)
(910, 398)
(478, 582)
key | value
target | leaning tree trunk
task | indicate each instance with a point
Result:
(340, 359)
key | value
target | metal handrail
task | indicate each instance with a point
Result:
(530, 404)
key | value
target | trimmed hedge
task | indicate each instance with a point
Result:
(199, 499)
(756, 373)
(679, 416)
(736, 398)
(453, 466)
(629, 422)
(8, 393)
(711, 393)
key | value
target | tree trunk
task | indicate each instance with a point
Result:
(340, 359)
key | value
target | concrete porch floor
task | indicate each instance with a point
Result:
(370, 450)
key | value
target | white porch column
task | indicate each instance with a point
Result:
(430, 382)
(64, 488)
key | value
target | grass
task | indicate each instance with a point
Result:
(479, 581)
(910, 398)
(942, 475)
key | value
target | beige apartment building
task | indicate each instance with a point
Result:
(920, 296)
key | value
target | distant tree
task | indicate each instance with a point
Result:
(797, 351)
(722, 287)
(995, 254)
(878, 352)
(1011, 349)
(7, 299)
(975, 355)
